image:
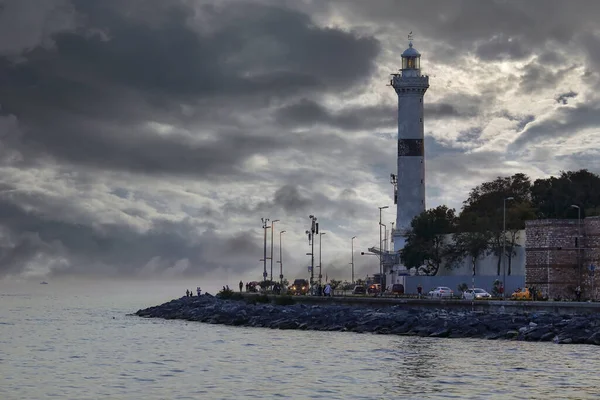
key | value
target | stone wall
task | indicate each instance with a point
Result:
(552, 260)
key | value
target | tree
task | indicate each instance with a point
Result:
(426, 243)
(285, 282)
(334, 283)
(471, 240)
(486, 203)
(554, 196)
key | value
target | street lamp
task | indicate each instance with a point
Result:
(352, 263)
(578, 243)
(385, 240)
(504, 246)
(265, 222)
(320, 265)
(280, 259)
(381, 258)
(272, 229)
(314, 229)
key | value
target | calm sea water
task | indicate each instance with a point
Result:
(79, 343)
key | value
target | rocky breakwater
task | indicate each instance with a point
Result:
(395, 320)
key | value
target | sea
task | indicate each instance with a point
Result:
(80, 341)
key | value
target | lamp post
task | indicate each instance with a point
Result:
(314, 229)
(272, 229)
(352, 263)
(280, 259)
(381, 258)
(578, 243)
(265, 222)
(320, 258)
(504, 247)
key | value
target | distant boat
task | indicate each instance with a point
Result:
(43, 283)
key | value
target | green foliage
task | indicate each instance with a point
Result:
(462, 287)
(228, 294)
(554, 196)
(284, 300)
(347, 285)
(262, 298)
(426, 246)
(265, 284)
(285, 282)
(334, 283)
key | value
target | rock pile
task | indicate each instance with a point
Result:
(396, 320)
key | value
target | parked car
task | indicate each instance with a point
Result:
(397, 289)
(299, 287)
(441, 291)
(374, 288)
(477, 293)
(521, 294)
(359, 289)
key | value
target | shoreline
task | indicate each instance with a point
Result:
(400, 319)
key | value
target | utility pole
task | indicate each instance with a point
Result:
(320, 265)
(381, 253)
(504, 247)
(353, 237)
(272, 228)
(265, 222)
(280, 259)
(314, 230)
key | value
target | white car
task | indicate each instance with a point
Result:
(476, 293)
(441, 291)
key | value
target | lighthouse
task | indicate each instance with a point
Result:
(409, 182)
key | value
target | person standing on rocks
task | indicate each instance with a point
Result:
(198, 291)
(187, 293)
(241, 286)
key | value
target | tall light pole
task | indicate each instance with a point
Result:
(385, 241)
(578, 243)
(280, 259)
(381, 256)
(272, 229)
(314, 229)
(352, 263)
(504, 246)
(320, 265)
(265, 222)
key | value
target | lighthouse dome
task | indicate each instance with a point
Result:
(411, 51)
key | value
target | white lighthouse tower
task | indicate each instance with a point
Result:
(409, 183)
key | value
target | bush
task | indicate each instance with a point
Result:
(226, 294)
(463, 287)
(262, 298)
(284, 301)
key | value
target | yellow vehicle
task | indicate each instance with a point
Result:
(520, 294)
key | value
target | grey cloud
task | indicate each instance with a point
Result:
(522, 120)
(501, 47)
(536, 77)
(566, 122)
(563, 98)
(71, 248)
(85, 99)
(308, 112)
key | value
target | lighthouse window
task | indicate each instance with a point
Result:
(411, 63)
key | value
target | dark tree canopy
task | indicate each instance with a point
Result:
(492, 207)
(425, 244)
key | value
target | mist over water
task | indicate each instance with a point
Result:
(74, 340)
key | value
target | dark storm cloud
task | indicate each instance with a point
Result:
(86, 98)
(307, 112)
(29, 237)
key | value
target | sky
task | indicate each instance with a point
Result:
(147, 139)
